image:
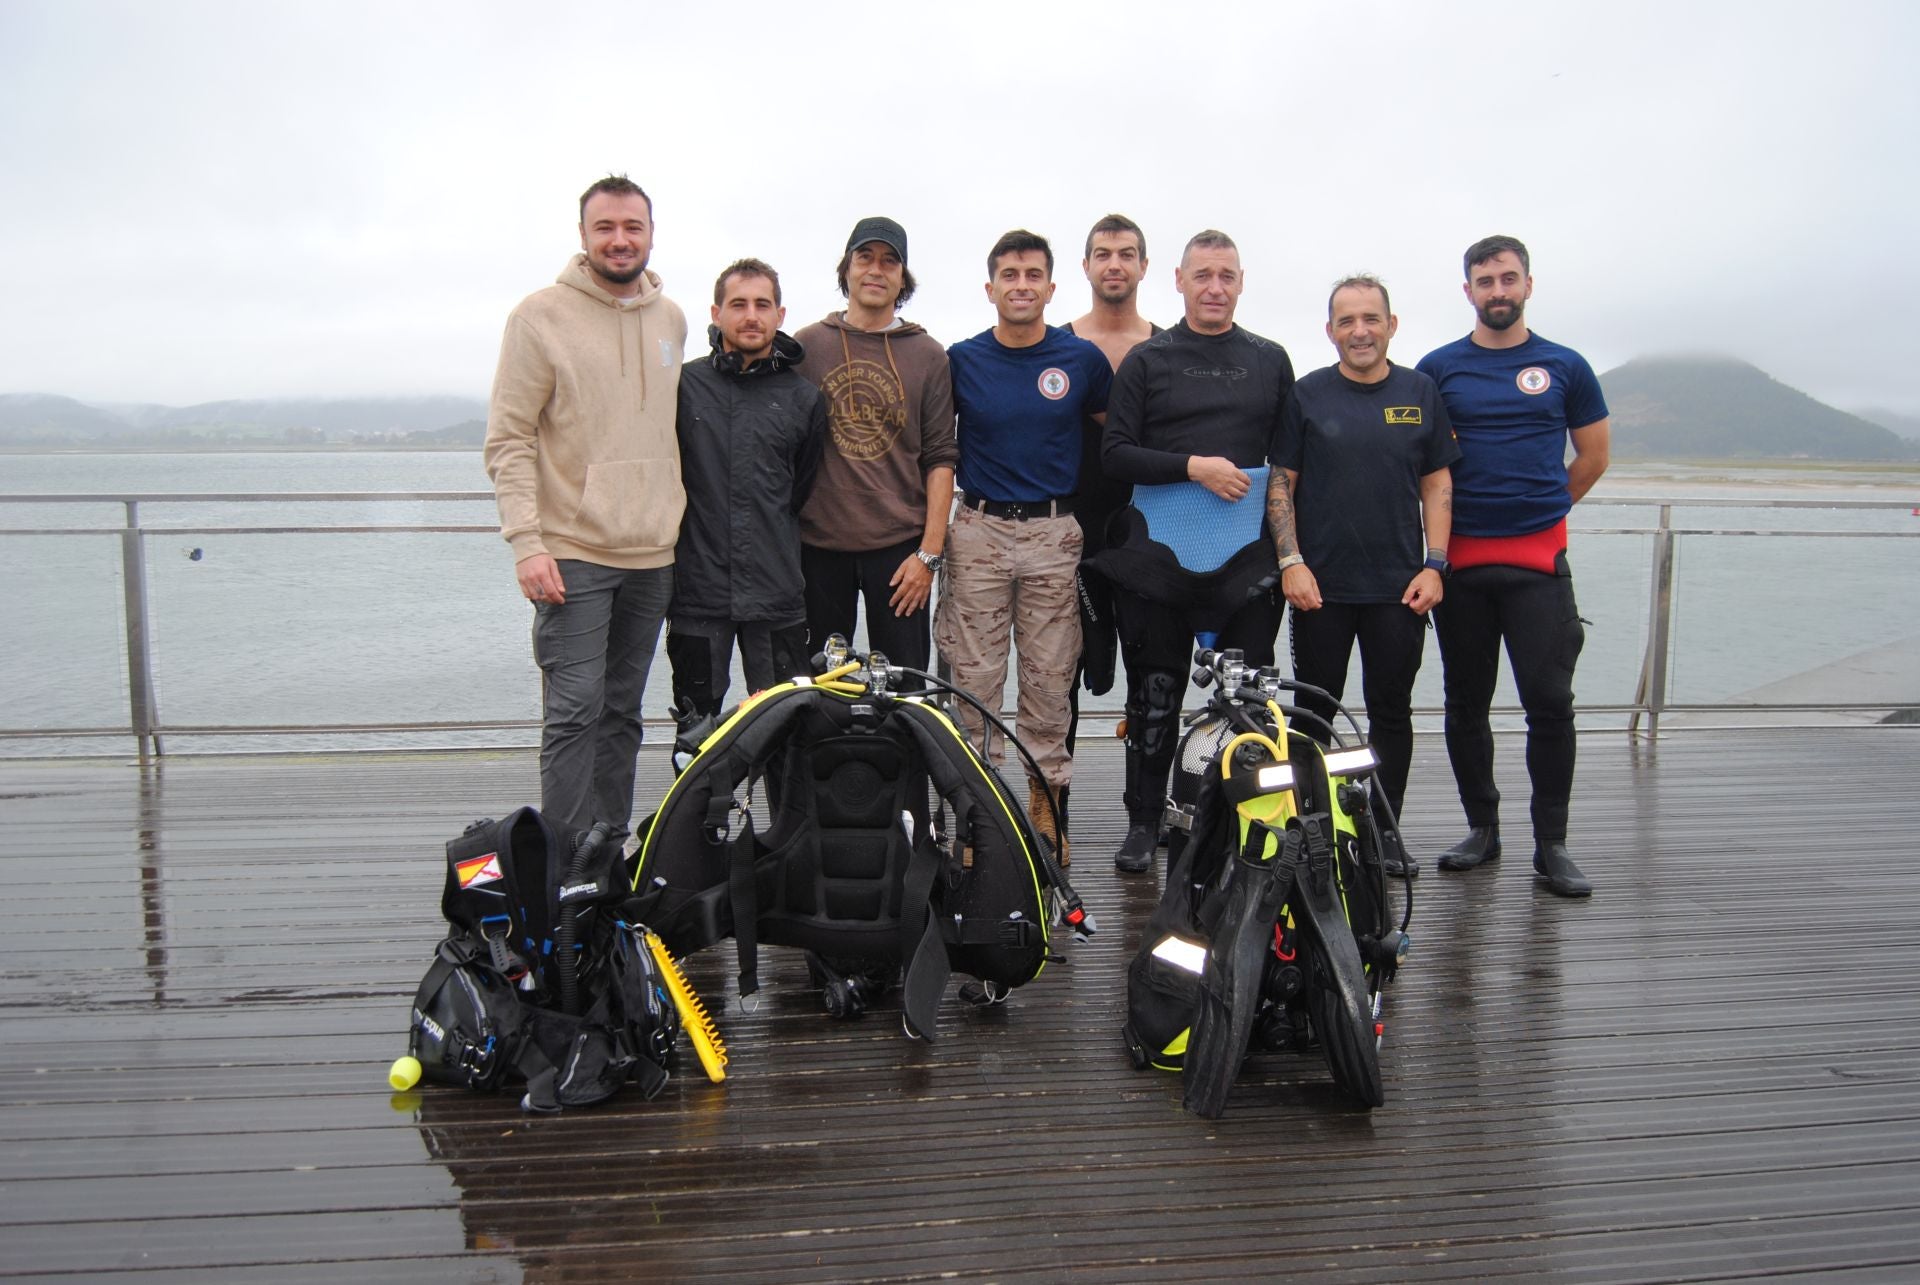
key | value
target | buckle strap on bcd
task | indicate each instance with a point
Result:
(494, 929)
(746, 903)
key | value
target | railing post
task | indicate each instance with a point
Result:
(1651, 695)
(133, 579)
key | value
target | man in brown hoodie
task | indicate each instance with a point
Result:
(876, 523)
(586, 469)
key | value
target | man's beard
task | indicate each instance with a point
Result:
(1127, 290)
(619, 276)
(1506, 322)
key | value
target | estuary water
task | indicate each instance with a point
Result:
(344, 626)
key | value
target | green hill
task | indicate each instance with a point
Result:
(1708, 407)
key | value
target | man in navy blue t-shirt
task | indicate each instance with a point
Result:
(1020, 392)
(1516, 401)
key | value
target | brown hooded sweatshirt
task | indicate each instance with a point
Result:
(890, 423)
(580, 431)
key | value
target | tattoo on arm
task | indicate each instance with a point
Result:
(1280, 515)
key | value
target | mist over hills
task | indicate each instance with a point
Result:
(1905, 425)
(1671, 407)
(1711, 407)
(45, 421)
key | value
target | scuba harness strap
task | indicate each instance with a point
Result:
(741, 892)
(921, 945)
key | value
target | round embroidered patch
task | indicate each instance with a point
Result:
(1054, 383)
(1533, 381)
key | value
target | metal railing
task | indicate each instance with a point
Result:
(1650, 701)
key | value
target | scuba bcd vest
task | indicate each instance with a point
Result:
(540, 978)
(1275, 928)
(847, 857)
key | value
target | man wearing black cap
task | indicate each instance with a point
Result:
(876, 523)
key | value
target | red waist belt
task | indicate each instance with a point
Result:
(1535, 552)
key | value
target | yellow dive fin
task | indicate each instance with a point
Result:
(693, 1014)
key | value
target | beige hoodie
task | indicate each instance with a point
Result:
(580, 430)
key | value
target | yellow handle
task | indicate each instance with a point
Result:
(693, 1014)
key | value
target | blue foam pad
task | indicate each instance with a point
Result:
(1202, 529)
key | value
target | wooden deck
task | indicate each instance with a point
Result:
(1708, 1071)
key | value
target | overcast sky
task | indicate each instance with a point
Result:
(212, 200)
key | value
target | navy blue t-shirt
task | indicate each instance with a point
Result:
(1512, 409)
(1361, 451)
(1020, 410)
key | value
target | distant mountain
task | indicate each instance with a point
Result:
(329, 415)
(1707, 407)
(1905, 425)
(32, 416)
(31, 421)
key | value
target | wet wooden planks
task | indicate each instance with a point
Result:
(1706, 1072)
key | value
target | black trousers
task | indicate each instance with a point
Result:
(1156, 647)
(1535, 616)
(701, 651)
(1391, 639)
(837, 582)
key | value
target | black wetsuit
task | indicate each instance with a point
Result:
(1095, 502)
(1177, 395)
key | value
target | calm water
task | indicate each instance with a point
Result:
(360, 628)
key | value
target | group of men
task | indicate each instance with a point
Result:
(756, 497)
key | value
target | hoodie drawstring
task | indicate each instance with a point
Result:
(886, 342)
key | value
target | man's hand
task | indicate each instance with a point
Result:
(1219, 475)
(1424, 590)
(540, 579)
(912, 586)
(1301, 587)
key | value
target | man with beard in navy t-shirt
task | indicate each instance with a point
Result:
(1516, 401)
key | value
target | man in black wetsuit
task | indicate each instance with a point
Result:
(1202, 403)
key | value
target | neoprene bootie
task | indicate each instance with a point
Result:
(1554, 868)
(1481, 845)
(1136, 850)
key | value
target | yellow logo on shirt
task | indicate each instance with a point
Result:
(1403, 415)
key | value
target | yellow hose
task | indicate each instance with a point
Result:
(1258, 738)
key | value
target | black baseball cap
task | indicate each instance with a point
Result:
(885, 231)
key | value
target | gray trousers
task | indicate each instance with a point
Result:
(594, 651)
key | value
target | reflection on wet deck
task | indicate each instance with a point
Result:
(1707, 1071)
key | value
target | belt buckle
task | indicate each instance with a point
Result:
(1017, 510)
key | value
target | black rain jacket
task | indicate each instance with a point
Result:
(750, 442)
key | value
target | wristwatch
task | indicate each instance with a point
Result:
(1437, 561)
(931, 561)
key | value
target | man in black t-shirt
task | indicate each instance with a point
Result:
(1200, 402)
(1364, 483)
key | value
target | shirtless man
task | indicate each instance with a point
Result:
(1115, 264)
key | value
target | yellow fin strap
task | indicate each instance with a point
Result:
(693, 1014)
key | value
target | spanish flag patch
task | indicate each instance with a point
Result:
(479, 870)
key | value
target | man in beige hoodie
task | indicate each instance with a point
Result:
(586, 469)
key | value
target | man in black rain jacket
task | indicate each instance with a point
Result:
(751, 429)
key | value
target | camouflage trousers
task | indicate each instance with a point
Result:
(1013, 581)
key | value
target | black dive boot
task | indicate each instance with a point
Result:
(1143, 836)
(1481, 845)
(1554, 868)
